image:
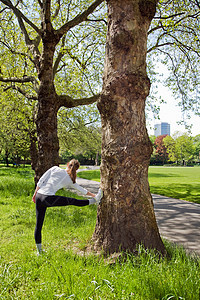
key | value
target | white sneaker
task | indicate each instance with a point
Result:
(98, 196)
(39, 253)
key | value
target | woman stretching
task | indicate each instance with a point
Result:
(44, 196)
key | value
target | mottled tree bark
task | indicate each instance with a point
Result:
(126, 216)
(48, 102)
(48, 145)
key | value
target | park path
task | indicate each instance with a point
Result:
(178, 220)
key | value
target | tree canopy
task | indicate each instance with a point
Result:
(17, 128)
(180, 148)
(173, 40)
(76, 58)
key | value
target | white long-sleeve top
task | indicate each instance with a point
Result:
(55, 179)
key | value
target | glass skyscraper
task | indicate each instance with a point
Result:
(161, 129)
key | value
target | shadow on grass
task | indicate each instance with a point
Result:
(69, 216)
(187, 192)
(160, 175)
(22, 172)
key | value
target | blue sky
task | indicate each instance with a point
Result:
(171, 113)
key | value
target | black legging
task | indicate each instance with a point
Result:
(44, 201)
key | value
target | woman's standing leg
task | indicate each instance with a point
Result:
(40, 214)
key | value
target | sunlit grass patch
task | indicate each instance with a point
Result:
(61, 273)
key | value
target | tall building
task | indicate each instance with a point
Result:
(160, 129)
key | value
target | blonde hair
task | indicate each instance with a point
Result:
(73, 166)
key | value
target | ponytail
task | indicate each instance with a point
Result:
(73, 166)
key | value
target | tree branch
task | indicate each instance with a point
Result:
(197, 3)
(184, 46)
(80, 18)
(62, 53)
(19, 80)
(47, 14)
(69, 102)
(68, 10)
(32, 45)
(3, 10)
(37, 40)
(169, 17)
(59, 57)
(19, 14)
(75, 58)
(164, 27)
(57, 10)
(21, 91)
(16, 52)
(183, 94)
(98, 20)
(156, 46)
(40, 3)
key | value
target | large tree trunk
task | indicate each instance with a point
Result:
(7, 157)
(46, 122)
(126, 216)
(48, 106)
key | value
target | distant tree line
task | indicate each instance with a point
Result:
(179, 149)
(80, 142)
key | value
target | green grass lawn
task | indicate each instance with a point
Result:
(176, 182)
(67, 270)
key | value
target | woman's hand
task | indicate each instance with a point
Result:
(91, 194)
(33, 199)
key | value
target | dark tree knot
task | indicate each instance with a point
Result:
(148, 8)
